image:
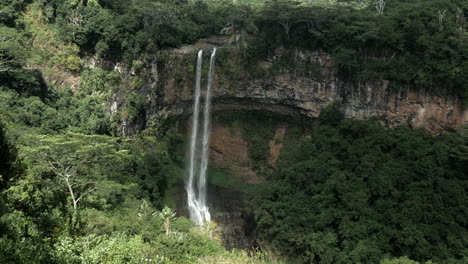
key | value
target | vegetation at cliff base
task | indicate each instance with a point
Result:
(356, 192)
(86, 176)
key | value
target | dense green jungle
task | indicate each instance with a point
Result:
(75, 189)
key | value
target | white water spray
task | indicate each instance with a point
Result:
(198, 208)
(193, 206)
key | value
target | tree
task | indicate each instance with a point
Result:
(162, 22)
(282, 12)
(168, 216)
(239, 27)
(9, 164)
(460, 20)
(401, 260)
(356, 192)
(146, 211)
(460, 151)
(380, 6)
(440, 18)
(67, 169)
(11, 49)
(72, 158)
(9, 167)
(8, 15)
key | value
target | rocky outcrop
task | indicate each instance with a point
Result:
(305, 89)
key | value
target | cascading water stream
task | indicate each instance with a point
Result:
(191, 196)
(206, 139)
(198, 208)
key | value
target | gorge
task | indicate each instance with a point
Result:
(237, 132)
(290, 94)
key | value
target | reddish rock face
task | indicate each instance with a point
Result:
(276, 144)
(227, 147)
(229, 151)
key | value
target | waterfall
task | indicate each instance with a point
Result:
(198, 208)
(193, 206)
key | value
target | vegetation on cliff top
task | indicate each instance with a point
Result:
(416, 42)
(72, 192)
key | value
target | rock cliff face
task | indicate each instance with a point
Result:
(165, 83)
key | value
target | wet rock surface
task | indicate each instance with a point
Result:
(236, 223)
(227, 207)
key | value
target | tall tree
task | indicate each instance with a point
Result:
(282, 12)
(9, 165)
(12, 51)
(240, 26)
(72, 158)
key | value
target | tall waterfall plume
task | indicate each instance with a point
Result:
(198, 159)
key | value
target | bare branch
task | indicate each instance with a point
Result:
(86, 193)
(460, 19)
(440, 17)
(54, 168)
(72, 194)
(67, 172)
(380, 6)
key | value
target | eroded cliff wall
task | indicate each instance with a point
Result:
(164, 84)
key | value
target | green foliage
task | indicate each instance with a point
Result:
(49, 49)
(115, 249)
(98, 81)
(61, 111)
(33, 103)
(355, 191)
(332, 114)
(103, 172)
(219, 177)
(402, 260)
(25, 82)
(119, 30)
(257, 130)
(240, 257)
(133, 107)
(405, 45)
(25, 251)
(167, 216)
(240, 26)
(461, 150)
(12, 50)
(9, 165)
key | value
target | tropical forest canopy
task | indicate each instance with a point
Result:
(346, 191)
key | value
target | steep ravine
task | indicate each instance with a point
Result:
(231, 174)
(165, 83)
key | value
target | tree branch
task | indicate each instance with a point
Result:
(86, 193)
